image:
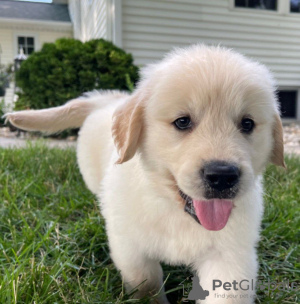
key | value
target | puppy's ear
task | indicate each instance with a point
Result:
(277, 157)
(127, 127)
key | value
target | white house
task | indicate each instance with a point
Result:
(267, 30)
(29, 25)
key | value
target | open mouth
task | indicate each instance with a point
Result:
(212, 214)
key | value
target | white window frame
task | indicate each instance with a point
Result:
(283, 8)
(297, 118)
(25, 34)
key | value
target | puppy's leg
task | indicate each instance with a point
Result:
(237, 270)
(139, 273)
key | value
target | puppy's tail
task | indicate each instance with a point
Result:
(70, 115)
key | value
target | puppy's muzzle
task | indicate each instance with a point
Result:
(221, 179)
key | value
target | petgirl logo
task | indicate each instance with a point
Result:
(192, 289)
(250, 285)
(222, 288)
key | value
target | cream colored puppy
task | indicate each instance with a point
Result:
(177, 166)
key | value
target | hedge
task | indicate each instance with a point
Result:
(67, 68)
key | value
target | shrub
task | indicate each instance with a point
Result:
(1, 112)
(65, 69)
(5, 77)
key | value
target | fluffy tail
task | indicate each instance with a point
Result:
(70, 115)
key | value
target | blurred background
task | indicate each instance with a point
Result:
(266, 30)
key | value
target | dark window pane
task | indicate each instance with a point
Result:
(240, 3)
(30, 50)
(30, 41)
(27, 44)
(295, 6)
(287, 101)
(21, 40)
(258, 4)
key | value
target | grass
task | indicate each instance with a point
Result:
(53, 247)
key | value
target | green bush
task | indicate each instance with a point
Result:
(1, 112)
(65, 69)
(6, 75)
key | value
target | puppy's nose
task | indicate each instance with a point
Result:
(221, 175)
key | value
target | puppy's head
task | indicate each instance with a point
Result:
(205, 118)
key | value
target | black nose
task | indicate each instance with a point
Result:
(220, 175)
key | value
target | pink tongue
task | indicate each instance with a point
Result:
(213, 214)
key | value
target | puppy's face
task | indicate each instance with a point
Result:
(210, 125)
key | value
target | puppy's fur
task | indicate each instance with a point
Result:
(139, 197)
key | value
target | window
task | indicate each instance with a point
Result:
(288, 103)
(295, 6)
(26, 43)
(257, 4)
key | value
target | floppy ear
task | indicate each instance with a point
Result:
(127, 127)
(277, 157)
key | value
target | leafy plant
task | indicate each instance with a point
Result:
(1, 112)
(67, 68)
(5, 77)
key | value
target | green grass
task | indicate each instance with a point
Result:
(53, 247)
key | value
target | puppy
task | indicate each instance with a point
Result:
(177, 166)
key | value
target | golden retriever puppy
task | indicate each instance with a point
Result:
(177, 167)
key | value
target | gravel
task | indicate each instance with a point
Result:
(10, 139)
(291, 138)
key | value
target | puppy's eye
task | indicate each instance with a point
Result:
(247, 125)
(183, 123)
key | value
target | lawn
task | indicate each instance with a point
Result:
(53, 247)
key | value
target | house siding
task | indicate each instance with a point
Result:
(7, 46)
(8, 40)
(45, 37)
(151, 28)
(75, 14)
(90, 19)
